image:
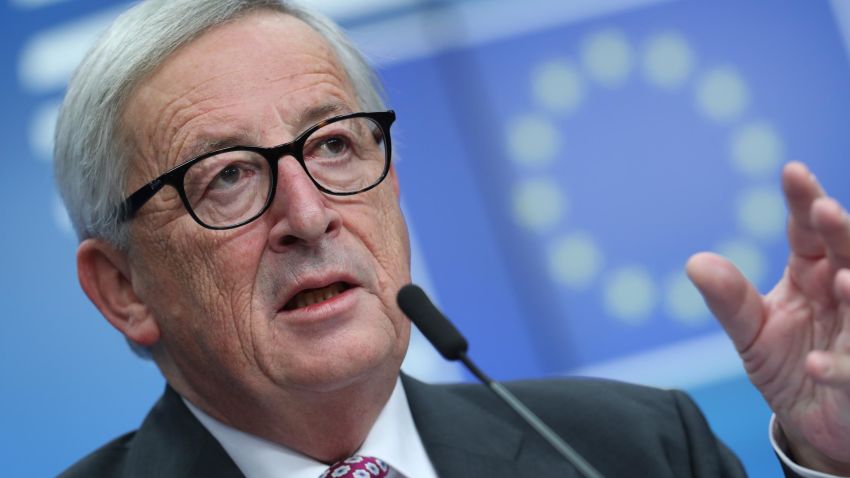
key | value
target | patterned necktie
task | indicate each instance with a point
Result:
(358, 467)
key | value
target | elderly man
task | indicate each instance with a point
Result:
(226, 164)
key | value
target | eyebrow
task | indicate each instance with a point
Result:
(203, 145)
(303, 120)
(314, 114)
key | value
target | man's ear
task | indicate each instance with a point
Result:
(104, 274)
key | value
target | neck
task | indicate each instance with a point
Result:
(330, 426)
(326, 425)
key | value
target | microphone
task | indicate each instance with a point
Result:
(453, 346)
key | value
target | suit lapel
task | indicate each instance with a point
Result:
(171, 442)
(463, 439)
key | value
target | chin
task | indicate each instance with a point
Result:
(327, 371)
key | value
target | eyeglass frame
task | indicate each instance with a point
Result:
(295, 148)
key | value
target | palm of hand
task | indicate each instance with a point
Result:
(795, 341)
(799, 317)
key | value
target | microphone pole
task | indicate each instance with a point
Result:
(453, 346)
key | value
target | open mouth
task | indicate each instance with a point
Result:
(309, 297)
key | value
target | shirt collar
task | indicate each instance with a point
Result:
(393, 438)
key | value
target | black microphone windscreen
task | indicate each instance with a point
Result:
(431, 322)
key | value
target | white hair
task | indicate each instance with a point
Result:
(91, 153)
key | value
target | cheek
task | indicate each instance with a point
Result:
(397, 244)
(223, 278)
(200, 287)
(379, 223)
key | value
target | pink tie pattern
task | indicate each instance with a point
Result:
(358, 467)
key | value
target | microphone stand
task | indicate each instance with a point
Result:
(533, 420)
(453, 346)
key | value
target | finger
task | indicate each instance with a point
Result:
(801, 190)
(732, 299)
(842, 286)
(831, 222)
(829, 368)
(833, 367)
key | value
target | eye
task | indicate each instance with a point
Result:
(332, 146)
(227, 177)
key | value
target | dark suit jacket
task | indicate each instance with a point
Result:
(623, 430)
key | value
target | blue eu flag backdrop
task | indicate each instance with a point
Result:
(559, 161)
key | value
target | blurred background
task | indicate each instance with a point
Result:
(559, 161)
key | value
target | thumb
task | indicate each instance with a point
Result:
(730, 296)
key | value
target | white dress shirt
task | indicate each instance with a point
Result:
(777, 439)
(393, 439)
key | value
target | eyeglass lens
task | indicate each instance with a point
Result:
(344, 156)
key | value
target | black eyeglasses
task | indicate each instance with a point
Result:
(231, 187)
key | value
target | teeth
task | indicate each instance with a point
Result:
(314, 296)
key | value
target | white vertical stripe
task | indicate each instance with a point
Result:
(841, 10)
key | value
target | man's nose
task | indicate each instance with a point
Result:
(299, 209)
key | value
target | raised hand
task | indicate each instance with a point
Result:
(795, 341)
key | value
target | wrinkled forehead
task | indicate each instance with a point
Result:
(234, 84)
